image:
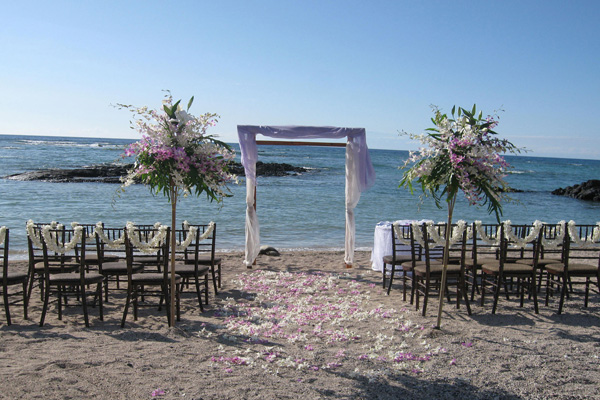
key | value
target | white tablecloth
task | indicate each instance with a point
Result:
(382, 242)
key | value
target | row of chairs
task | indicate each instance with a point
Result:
(496, 257)
(89, 260)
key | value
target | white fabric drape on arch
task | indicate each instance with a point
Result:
(360, 174)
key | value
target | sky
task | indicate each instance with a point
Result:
(379, 65)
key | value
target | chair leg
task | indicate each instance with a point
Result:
(198, 293)
(60, 297)
(6, 306)
(384, 272)
(499, 282)
(100, 302)
(178, 305)
(465, 294)
(127, 301)
(84, 305)
(393, 269)
(563, 291)
(167, 296)
(25, 301)
(425, 295)
(483, 279)
(533, 289)
(45, 307)
(404, 280)
(205, 289)
(214, 278)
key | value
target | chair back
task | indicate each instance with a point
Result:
(431, 250)
(485, 242)
(152, 241)
(111, 240)
(403, 244)
(89, 230)
(62, 241)
(553, 239)
(206, 241)
(582, 245)
(520, 242)
(144, 234)
(4, 235)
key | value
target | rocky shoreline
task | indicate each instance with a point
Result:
(589, 190)
(112, 173)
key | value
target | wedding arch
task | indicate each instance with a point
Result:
(360, 174)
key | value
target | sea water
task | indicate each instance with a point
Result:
(296, 212)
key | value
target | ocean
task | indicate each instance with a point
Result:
(295, 212)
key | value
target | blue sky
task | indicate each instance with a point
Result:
(372, 64)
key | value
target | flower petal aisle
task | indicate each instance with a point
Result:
(304, 320)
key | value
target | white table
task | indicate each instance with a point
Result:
(382, 242)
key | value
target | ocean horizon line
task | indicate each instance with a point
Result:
(526, 153)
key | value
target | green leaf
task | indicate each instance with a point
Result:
(168, 111)
(190, 103)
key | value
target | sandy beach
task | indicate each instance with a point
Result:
(302, 326)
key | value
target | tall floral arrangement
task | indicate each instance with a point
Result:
(176, 156)
(462, 152)
(175, 150)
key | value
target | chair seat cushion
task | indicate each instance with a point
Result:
(574, 268)
(190, 270)
(56, 267)
(436, 269)
(119, 268)
(409, 265)
(14, 277)
(92, 259)
(70, 278)
(400, 258)
(510, 268)
(152, 278)
(203, 261)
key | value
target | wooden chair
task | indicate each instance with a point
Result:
(11, 278)
(401, 252)
(580, 259)
(498, 274)
(191, 269)
(206, 252)
(58, 263)
(114, 258)
(416, 251)
(156, 284)
(484, 248)
(428, 274)
(63, 283)
(550, 249)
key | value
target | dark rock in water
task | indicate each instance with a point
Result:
(107, 173)
(112, 173)
(269, 169)
(589, 190)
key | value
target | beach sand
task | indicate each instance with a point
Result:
(303, 326)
